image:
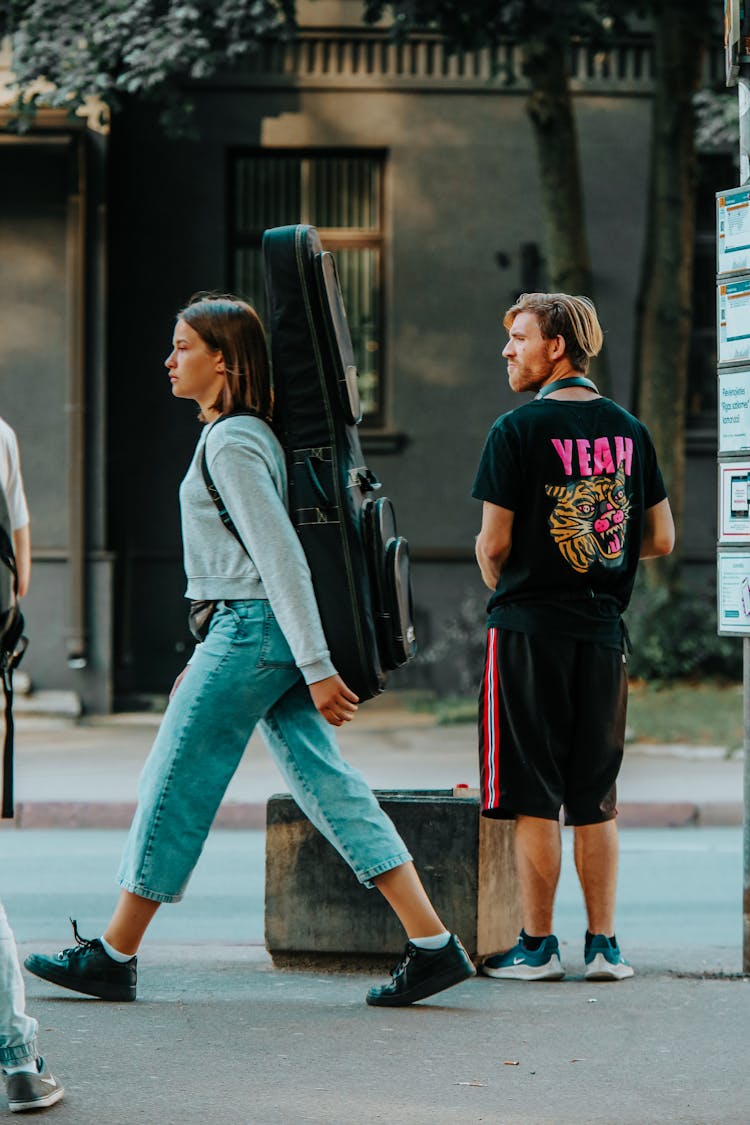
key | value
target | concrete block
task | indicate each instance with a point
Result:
(318, 913)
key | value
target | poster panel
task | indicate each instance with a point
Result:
(733, 589)
(734, 502)
(733, 320)
(734, 410)
(733, 230)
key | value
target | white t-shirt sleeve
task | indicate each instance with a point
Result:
(11, 479)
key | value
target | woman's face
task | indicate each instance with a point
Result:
(194, 370)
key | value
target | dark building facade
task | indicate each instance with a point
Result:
(419, 170)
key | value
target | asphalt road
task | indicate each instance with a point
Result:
(678, 888)
(219, 1036)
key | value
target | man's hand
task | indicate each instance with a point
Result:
(335, 701)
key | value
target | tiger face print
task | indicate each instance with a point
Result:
(589, 520)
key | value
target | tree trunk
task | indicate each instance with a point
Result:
(550, 109)
(665, 304)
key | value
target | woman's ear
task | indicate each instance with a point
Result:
(220, 365)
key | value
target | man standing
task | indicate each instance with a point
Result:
(572, 498)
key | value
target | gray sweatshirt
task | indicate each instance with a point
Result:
(247, 464)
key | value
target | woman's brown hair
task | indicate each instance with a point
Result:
(229, 325)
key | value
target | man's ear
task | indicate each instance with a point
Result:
(557, 347)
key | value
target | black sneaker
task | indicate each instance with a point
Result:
(32, 1091)
(422, 973)
(87, 968)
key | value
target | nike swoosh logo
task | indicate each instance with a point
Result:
(49, 1081)
(518, 960)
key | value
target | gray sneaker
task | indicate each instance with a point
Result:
(32, 1091)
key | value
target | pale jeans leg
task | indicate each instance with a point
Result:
(332, 794)
(244, 673)
(200, 743)
(18, 1032)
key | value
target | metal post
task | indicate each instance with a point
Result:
(746, 831)
(740, 15)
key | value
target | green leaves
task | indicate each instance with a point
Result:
(130, 47)
(534, 23)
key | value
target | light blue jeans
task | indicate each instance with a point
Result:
(17, 1030)
(241, 676)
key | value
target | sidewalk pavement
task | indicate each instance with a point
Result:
(219, 1036)
(85, 773)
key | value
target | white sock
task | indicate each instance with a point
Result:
(436, 941)
(115, 953)
(28, 1067)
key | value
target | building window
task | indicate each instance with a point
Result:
(340, 193)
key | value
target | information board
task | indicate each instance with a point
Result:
(733, 230)
(733, 319)
(734, 592)
(734, 410)
(734, 502)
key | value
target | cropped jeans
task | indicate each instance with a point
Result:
(18, 1031)
(243, 675)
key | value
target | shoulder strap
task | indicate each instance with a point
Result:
(561, 384)
(7, 556)
(213, 491)
(7, 809)
(11, 651)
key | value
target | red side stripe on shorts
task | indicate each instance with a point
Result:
(491, 726)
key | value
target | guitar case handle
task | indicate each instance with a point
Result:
(321, 492)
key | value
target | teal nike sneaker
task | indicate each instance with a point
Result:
(520, 963)
(604, 961)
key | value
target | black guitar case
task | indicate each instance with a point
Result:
(359, 564)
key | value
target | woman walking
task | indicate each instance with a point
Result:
(264, 661)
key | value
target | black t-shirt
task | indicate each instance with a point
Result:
(578, 476)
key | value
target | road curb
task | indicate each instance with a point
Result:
(251, 815)
(680, 814)
(119, 814)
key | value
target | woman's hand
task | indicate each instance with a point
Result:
(335, 701)
(179, 680)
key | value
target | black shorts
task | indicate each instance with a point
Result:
(551, 727)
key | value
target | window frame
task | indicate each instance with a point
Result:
(333, 238)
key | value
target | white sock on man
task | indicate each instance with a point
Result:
(437, 941)
(115, 953)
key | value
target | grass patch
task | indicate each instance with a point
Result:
(699, 714)
(445, 709)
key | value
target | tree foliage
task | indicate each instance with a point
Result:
(534, 23)
(113, 48)
(146, 48)
(546, 30)
(682, 32)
